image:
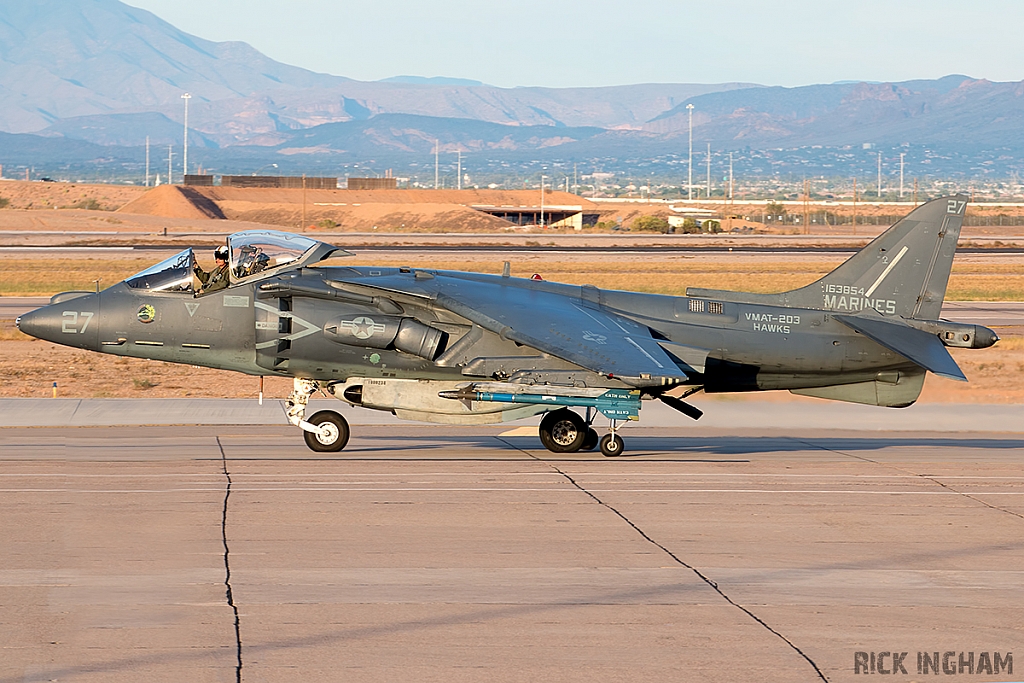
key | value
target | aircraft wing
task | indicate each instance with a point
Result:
(920, 347)
(567, 327)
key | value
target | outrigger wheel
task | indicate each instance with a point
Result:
(334, 432)
(612, 445)
(563, 431)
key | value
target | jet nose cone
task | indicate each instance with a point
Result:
(35, 323)
(63, 324)
(984, 337)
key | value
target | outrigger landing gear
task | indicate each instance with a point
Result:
(325, 432)
(611, 443)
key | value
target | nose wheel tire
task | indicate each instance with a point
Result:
(612, 445)
(563, 431)
(334, 434)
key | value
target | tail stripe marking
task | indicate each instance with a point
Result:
(885, 272)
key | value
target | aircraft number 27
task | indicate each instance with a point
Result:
(954, 206)
(69, 323)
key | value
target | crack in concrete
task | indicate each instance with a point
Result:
(918, 475)
(227, 565)
(675, 558)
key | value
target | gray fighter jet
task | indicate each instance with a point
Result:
(467, 348)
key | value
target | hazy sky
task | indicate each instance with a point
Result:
(600, 42)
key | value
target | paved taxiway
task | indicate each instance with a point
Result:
(458, 554)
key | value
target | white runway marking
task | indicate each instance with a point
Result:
(650, 475)
(830, 492)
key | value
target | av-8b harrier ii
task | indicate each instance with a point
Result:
(469, 348)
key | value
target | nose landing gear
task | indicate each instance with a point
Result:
(611, 443)
(333, 434)
(326, 431)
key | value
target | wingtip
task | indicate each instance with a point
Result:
(959, 378)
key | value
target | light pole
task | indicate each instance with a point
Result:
(542, 179)
(709, 171)
(459, 170)
(437, 152)
(879, 176)
(184, 161)
(689, 164)
(147, 161)
(730, 176)
(902, 154)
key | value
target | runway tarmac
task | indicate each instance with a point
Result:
(226, 552)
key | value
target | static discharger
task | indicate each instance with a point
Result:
(615, 404)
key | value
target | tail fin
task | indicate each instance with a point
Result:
(902, 272)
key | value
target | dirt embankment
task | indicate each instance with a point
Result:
(172, 201)
(448, 211)
(356, 197)
(40, 195)
(344, 210)
(368, 217)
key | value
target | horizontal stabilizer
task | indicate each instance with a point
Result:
(920, 347)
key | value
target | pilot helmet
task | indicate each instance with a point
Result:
(221, 253)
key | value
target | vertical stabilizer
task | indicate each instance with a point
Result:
(904, 271)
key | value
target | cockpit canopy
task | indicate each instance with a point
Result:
(256, 251)
(252, 253)
(170, 275)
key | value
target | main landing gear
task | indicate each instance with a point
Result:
(326, 431)
(564, 431)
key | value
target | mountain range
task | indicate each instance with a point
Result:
(111, 75)
(67, 59)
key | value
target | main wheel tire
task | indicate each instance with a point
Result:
(612, 445)
(563, 431)
(591, 441)
(336, 432)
